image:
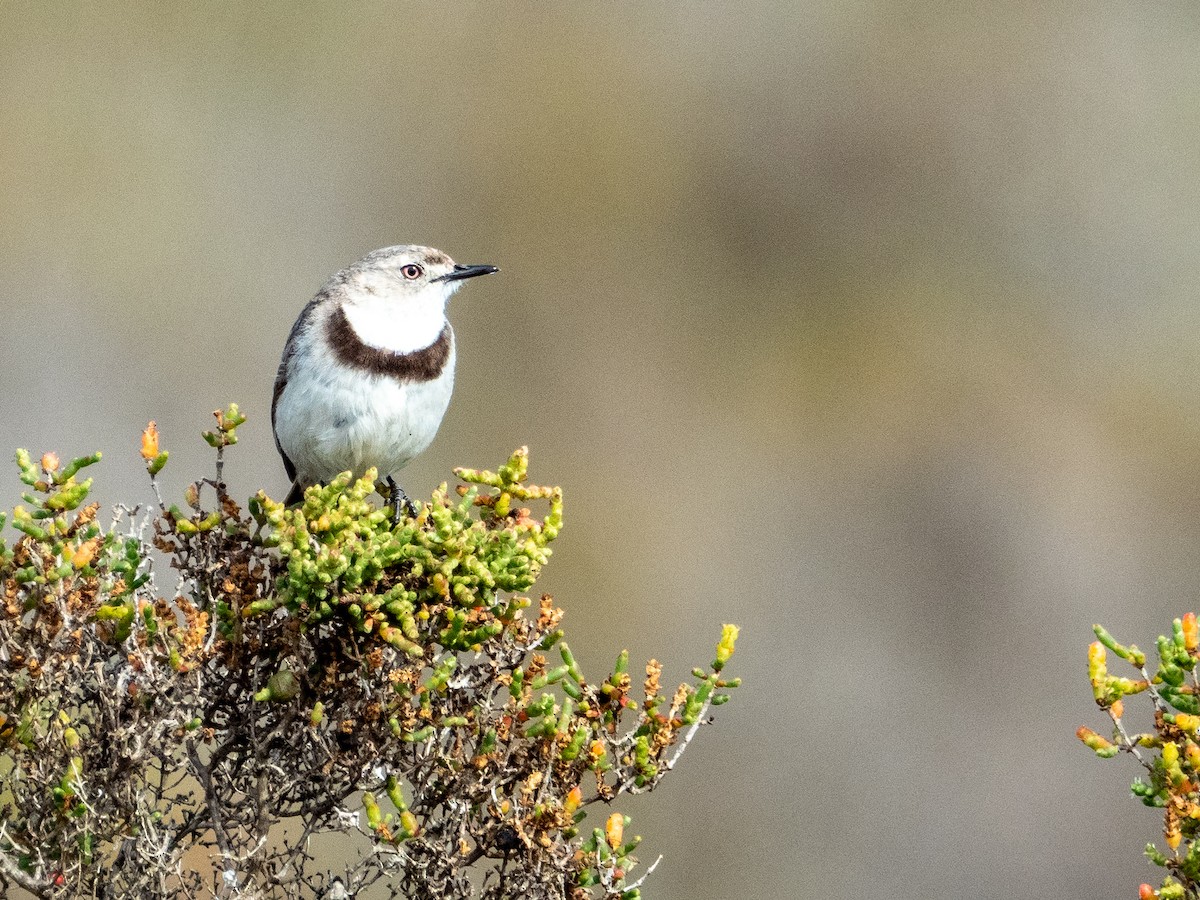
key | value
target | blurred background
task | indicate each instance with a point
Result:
(868, 326)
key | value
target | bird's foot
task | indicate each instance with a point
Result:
(398, 499)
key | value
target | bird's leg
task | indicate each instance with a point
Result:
(398, 497)
(395, 492)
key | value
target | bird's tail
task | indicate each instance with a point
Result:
(295, 495)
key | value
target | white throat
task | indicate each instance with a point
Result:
(399, 326)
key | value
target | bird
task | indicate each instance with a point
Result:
(368, 369)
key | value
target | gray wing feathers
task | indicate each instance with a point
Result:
(281, 380)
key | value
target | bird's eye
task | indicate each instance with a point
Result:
(412, 271)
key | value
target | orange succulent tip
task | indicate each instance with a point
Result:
(50, 462)
(85, 554)
(150, 442)
(596, 749)
(1117, 709)
(574, 798)
(614, 830)
(1091, 739)
(1145, 892)
(1173, 838)
(1191, 632)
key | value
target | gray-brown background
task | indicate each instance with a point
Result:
(869, 326)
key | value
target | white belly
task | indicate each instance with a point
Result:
(331, 418)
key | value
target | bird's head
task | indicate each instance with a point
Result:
(395, 298)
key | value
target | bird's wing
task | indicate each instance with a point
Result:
(281, 377)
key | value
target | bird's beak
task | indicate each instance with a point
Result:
(466, 272)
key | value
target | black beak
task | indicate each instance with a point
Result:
(466, 272)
